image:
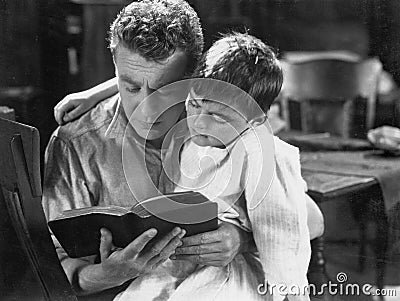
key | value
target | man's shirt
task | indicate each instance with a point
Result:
(83, 166)
(83, 163)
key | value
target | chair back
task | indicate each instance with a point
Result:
(29, 265)
(331, 95)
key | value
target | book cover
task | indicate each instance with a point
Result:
(78, 230)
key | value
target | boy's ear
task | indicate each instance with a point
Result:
(258, 120)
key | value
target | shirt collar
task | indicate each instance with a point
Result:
(118, 123)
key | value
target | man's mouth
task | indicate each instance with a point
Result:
(149, 124)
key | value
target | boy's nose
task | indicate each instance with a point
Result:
(201, 121)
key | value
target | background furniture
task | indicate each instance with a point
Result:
(362, 193)
(330, 95)
(29, 265)
(365, 197)
(96, 62)
(31, 107)
(7, 113)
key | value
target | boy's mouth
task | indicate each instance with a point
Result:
(196, 133)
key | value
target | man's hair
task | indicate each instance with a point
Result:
(156, 28)
(246, 62)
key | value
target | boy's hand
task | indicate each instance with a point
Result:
(215, 248)
(72, 106)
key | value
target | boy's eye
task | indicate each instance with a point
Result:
(193, 104)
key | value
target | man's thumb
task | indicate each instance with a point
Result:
(106, 245)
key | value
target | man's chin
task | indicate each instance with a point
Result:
(150, 134)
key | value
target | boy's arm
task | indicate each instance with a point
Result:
(76, 104)
(278, 212)
(315, 222)
(315, 219)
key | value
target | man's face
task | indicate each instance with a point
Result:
(212, 123)
(137, 79)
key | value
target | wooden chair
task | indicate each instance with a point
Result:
(29, 266)
(330, 95)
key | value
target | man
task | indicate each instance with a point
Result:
(153, 43)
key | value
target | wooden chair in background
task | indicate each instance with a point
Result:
(30, 269)
(330, 95)
(29, 266)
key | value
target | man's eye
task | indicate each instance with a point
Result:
(133, 89)
(218, 118)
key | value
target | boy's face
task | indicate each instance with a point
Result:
(212, 123)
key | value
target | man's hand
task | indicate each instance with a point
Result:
(120, 265)
(215, 248)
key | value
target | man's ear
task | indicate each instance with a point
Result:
(258, 120)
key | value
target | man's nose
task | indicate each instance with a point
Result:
(151, 106)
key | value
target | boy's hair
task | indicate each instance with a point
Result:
(156, 28)
(246, 62)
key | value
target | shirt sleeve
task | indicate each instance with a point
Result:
(64, 187)
(277, 212)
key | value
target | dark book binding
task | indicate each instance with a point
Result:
(78, 230)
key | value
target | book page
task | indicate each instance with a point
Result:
(109, 210)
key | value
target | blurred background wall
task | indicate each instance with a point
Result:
(50, 48)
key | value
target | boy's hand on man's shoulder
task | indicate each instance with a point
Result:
(73, 106)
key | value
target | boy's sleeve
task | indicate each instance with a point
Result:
(278, 215)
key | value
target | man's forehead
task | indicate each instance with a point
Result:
(132, 65)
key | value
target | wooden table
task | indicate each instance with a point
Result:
(326, 186)
(362, 192)
(365, 197)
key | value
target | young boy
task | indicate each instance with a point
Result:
(231, 157)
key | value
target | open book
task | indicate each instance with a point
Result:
(78, 230)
